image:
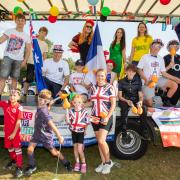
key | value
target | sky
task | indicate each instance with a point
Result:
(62, 32)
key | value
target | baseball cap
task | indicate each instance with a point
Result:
(79, 62)
(57, 48)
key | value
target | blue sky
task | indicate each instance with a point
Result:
(62, 32)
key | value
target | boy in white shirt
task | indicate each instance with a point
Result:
(152, 64)
(77, 79)
(16, 53)
(56, 72)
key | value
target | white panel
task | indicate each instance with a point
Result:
(133, 6)
(11, 4)
(59, 4)
(146, 6)
(177, 12)
(70, 5)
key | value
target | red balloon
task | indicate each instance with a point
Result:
(165, 2)
(52, 19)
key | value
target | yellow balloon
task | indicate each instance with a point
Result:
(54, 11)
(20, 0)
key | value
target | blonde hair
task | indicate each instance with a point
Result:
(83, 37)
(77, 96)
(101, 70)
(45, 94)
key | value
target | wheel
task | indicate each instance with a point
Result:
(31, 92)
(134, 148)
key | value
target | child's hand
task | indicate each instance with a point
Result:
(129, 102)
(61, 140)
(105, 121)
(11, 137)
(140, 104)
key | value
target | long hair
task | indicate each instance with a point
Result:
(83, 37)
(145, 33)
(122, 41)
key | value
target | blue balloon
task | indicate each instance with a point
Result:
(93, 2)
(175, 21)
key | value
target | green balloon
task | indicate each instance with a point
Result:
(105, 11)
(71, 96)
(17, 9)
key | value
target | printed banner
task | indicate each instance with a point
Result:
(58, 114)
(168, 121)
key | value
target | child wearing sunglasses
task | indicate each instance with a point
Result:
(13, 113)
(43, 133)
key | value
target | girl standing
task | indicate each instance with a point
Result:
(118, 52)
(140, 44)
(79, 121)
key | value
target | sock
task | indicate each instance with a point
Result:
(12, 154)
(19, 158)
(109, 162)
(31, 159)
(64, 161)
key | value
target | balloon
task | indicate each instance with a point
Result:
(71, 96)
(165, 2)
(105, 11)
(93, 2)
(175, 21)
(17, 10)
(52, 19)
(173, 51)
(54, 11)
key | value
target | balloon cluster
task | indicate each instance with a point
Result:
(54, 12)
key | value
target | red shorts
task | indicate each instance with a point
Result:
(15, 143)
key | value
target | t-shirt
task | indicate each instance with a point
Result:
(44, 48)
(15, 48)
(76, 79)
(175, 70)
(100, 98)
(151, 65)
(11, 115)
(78, 120)
(142, 46)
(42, 130)
(55, 71)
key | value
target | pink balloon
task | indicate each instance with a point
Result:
(165, 2)
(52, 19)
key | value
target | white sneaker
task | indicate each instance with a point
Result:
(99, 168)
(107, 168)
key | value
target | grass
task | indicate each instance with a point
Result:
(158, 163)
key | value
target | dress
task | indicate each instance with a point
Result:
(116, 56)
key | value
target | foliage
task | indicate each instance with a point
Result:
(50, 45)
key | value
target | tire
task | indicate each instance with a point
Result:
(135, 149)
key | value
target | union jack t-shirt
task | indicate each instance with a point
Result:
(79, 120)
(100, 97)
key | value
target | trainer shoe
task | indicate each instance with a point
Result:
(107, 168)
(99, 168)
(30, 170)
(68, 166)
(77, 167)
(10, 165)
(18, 173)
(83, 168)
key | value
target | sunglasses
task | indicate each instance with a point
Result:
(89, 27)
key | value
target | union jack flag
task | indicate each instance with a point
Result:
(38, 61)
(100, 97)
(78, 120)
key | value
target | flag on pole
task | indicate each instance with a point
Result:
(38, 61)
(95, 57)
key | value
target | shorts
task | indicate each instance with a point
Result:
(78, 137)
(15, 143)
(10, 67)
(107, 127)
(48, 143)
(30, 74)
(150, 92)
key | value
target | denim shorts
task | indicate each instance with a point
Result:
(9, 67)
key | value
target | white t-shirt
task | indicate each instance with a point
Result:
(15, 48)
(44, 48)
(151, 65)
(55, 71)
(76, 79)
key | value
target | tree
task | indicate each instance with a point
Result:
(50, 44)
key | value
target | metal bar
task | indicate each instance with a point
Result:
(140, 6)
(155, 2)
(125, 9)
(76, 4)
(3, 7)
(175, 9)
(50, 3)
(26, 5)
(64, 4)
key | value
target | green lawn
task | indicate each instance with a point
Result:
(158, 163)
